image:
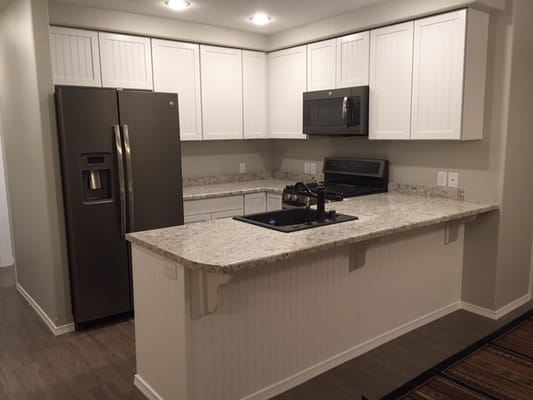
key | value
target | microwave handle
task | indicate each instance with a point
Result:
(345, 111)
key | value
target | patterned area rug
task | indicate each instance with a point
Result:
(502, 369)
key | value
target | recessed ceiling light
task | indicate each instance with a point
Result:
(260, 19)
(177, 5)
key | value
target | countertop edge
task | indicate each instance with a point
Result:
(236, 267)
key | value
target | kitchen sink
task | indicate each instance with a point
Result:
(294, 219)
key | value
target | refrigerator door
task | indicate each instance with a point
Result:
(98, 252)
(150, 129)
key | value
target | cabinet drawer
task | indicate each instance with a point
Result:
(202, 206)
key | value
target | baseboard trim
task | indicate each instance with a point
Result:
(317, 369)
(56, 330)
(145, 388)
(496, 314)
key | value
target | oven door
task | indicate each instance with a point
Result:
(339, 112)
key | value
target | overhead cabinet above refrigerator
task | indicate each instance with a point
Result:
(121, 169)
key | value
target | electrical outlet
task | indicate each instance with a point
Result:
(242, 168)
(307, 167)
(453, 179)
(312, 170)
(442, 178)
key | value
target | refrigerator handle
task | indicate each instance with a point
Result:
(129, 177)
(121, 180)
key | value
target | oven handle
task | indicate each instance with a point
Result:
(345, 111)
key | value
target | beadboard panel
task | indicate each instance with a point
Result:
(275, 322)
(126, 61)
(75, 57)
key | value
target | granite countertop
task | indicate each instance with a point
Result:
(234, 188)
(227, 246)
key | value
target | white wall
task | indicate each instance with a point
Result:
(370, 17)
(215, 158)
(6, 252)
(117, 21)
(32, 161)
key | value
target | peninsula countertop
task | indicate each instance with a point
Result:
(227, 245)
(211, 190)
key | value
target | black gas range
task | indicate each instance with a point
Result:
(343, 178)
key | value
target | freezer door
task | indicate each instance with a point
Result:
(150, 129)
(98, 253)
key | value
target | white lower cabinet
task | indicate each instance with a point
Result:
(273, 201)
(213, 208)
(226, 214)
(230, 206)
(255, 203)
(191, 219)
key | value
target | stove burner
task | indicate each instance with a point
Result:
(344, 178)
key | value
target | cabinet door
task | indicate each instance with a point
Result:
(126, 61)
(221, 70)
(177, 70)
(191, 219)
(287, 82)
(321, 65)
(255, 203)
(439, 50)
(75, 57)
(353, 60)
(226, 214)
(391, 68)
(254, 88)
(273, 201)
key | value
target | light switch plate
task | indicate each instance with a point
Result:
(313, 168)
(442, 178)
(307, 167)
(453, 179)
(242, 168)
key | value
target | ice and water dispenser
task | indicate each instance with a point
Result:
(96, 175)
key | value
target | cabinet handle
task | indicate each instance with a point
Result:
(129, 178)
(121, 180)
(345, 111)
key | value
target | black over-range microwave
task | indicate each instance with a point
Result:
(336, 112)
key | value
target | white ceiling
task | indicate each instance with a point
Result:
(234, 14)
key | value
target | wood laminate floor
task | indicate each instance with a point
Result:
(100, 364)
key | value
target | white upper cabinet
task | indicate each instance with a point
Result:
(446, 85)
(353, 60)
(255, 94)
(321, 65)
(391, 69)
(439, 48)
(177, 70)
(221, 70)
(126, 61)
(287, 83)
(75, 57)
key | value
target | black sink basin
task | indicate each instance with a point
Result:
(294, 219)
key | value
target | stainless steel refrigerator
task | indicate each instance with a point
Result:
(121, 170)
